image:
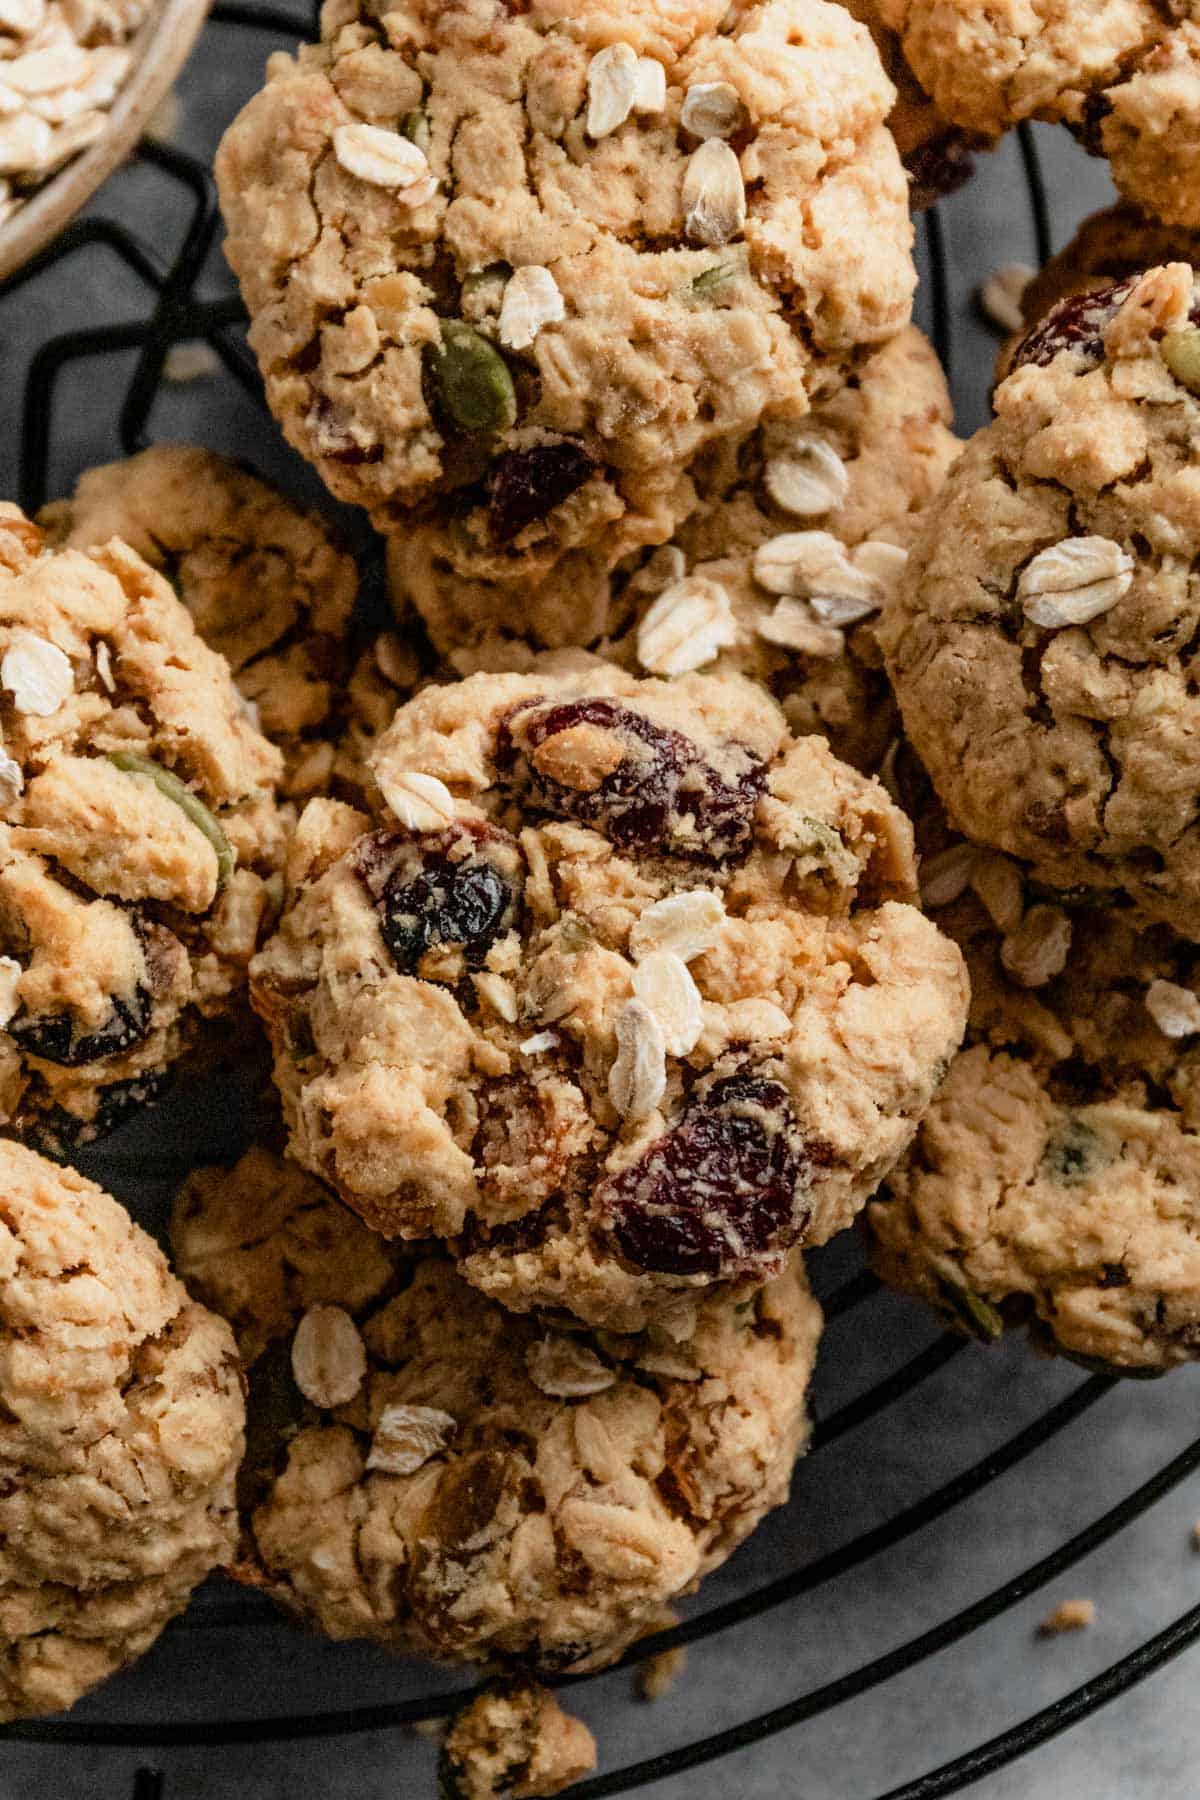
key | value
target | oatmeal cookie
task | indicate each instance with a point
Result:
(528, 262)
(618, 989)
(1124, 75)
(937, 155)
(428, 1471)
(122, 1413)
(1043, 639)
(1055, 1181)
(140, 842)
(263, 579)
(825, 508)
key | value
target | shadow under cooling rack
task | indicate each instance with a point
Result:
(776, 1589)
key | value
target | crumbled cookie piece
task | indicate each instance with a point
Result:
(1070, 1615)
(504, 259)
(123, 1416)
(1055, 1181)
(514, 1740)
(659, 1674)
(140, 840)
(485, 1032)
(539, 1529)
(263, 579)
(1125, 78)
(727, 593)
(1041, 637)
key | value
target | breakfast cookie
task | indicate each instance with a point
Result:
(122, 1413)
(140, 843)
(1055, 1181)
(618, 988)
(528, 262)
(263, 579)
(428, 1471)
(1043, 640)
(1124, 75)
(800, 534)
(514, 1739)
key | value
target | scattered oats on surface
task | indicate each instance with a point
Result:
(687, 924)
(686, 627)
(36, 674)
(191, 361)
(420, 802)
(714, 194)
(663, 982)
(946, 876)
(329, 1361)
(1001, 294)
(566, 1369)
(1071, 1615)
(406, 1437)
(810, 478)
(531, 300)
(712, 109)
(612, 89)
(1037, 950)
(638, 1077)
(1074, 582)
(1174, 1009)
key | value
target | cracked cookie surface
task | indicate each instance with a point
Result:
(140, 840)
(263, 579)
(430, 1472)
(122, 1430)
(619, 988)
(857, 470)
(1124, 75)
(1043, 641)
(1055, 1180)
(535, 259)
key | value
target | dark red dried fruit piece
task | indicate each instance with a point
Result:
(524, 485)
(663, 795)
(1078, 323)
(458, 889)
(53, 1036)
(722, 1194)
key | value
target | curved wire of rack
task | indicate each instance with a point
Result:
(175, 315)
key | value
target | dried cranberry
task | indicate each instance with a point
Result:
(1089, 131)
(663, 794)
(1078, 323)
(52, 1036)
(524, 485)
(457, 888)
(722, 1193)
(60, 1134)
(940, 166)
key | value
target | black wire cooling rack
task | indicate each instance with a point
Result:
(175, 312)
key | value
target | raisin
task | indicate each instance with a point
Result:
(940, 166)
(1078, 323)
(721, 1193)
(457, 889)
(52, 1036)
(524, 485)
(663, 794)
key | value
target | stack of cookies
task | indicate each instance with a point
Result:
(582, 909)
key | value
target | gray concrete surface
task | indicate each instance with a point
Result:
(232, 1660)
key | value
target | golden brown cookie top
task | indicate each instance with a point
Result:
(618, 986)
(1042, 638)
(537, 259)
(428, 1471)
(123, 1411)
(1056, 1178)
(138, 826)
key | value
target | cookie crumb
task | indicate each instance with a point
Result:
(193, 360)
(658, 1675)
(517, 1741)
(1196, 1535)
(999, 297)
(1072, 1615)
